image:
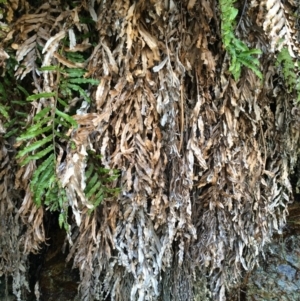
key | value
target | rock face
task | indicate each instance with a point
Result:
(279, 276)
(57, 279)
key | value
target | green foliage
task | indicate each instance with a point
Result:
(98, 179)
(3, 111)
(2, 3)
(41, 138)
(72, 81)
(239, 53)
(39, 142)
(12, 105)
(289, 70)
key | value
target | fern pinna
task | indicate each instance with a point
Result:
(13, 107)
(46, 134)
(239, 53)
(289, 70)
(97, 179)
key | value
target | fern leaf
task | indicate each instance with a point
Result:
(91, 182)
(96, 178)
(80, 90)
(52, 193)
(252, 64)
(51, 68)
(43, 186)
(240, 54)
(34, 146)
(33, 130)
(66, 117)
(89, 171)
(41, 168)
(235, 69)
(94, 188)
(61, 220)
(240, 45)
(289, 70)
(23, 90)
(62, 102)
(98, 199)
(38, 155)
(42, 113)
(19, 102)
(11, 133)
(40, 95)
(21, 114)
(3, 111)
(32, 133)
(84, 81)
(75, 72)
(75, 57)
(249, 52)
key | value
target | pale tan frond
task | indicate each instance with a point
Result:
(19, 235)
(204, 160)
(279, 28)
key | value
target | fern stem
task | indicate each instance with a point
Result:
(54, 109)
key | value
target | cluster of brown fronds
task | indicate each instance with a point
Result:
(204, 160)
(13, 260)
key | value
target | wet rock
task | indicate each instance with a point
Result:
(57, 279)
(278, 277)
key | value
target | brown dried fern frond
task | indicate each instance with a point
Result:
(13, 259)
(168, 139)
(204, 170)
(279, 25)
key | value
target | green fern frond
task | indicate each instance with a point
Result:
(66, 118)
(288, 69)
(98, 180)
(39, 155)
(12, 106)
(4, 111)
(47, 130)
(73, 81)
(40, 95)
(75, 57)
(81, 91)
(239, 53)
(75, 72)
(79, 80)
(40, 139)
(39, 142)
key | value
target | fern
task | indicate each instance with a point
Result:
(39, 142)
(98, 179)
(239, 53)
(41, 135)
(12, 106)
(289, 71)
(72, 81)
(4, 111)
(41, 138)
